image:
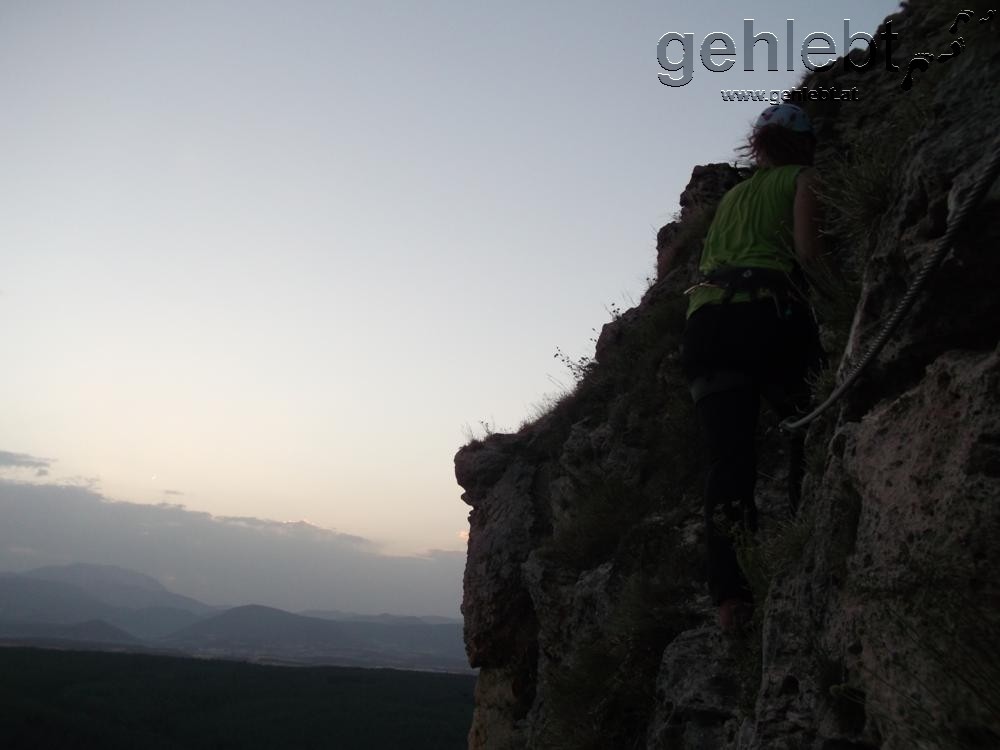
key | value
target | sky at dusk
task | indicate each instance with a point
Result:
(279, 259)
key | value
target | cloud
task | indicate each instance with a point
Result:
(24, 461)
(173, 492)
(87, 483)
(220, 560)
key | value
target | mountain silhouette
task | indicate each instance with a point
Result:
(89, 632)
(104, 605)
(268, 633)
(257, 626)
(119, 587)
(387, 619)
(129, 601)
(25, 599)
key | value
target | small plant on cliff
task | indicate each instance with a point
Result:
(596, 701)
(859, 184)
(935, 676)
(762, 557)
(485, 428)
(578, 368)
(772, 551)
(592, 528)
(857, 192)
(582, 366)
(574, 691)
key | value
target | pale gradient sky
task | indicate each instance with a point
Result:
(275, 256)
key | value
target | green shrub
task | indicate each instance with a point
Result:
(594, 526)
(953, 704)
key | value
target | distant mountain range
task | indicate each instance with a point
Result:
(92, 631)
(118, 587)
(105, 606)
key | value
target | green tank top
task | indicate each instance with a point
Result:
(752, 227)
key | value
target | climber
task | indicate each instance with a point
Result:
(751, 333)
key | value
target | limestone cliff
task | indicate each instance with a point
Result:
(585, 606)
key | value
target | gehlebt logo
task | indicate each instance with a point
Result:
(818, 50)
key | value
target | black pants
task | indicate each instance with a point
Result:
(773, 354)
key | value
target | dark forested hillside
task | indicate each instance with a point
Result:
(67, 700)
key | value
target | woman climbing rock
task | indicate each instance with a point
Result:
(751, 334)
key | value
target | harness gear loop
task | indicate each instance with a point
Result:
(752, 280)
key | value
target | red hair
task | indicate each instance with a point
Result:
(780, 146)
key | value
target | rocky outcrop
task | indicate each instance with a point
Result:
(584, 599)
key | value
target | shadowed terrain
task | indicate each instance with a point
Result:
(68, 699)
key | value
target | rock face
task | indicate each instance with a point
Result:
(585, 605)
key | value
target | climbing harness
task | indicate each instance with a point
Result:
(956, 220)
(753, 281)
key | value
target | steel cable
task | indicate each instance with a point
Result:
(955, 223)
